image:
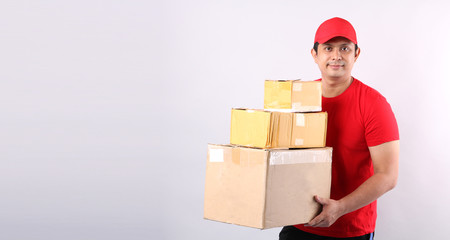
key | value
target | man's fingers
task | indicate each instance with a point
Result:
(319, 200)
(321, 219)
(317, 222)
(314, 221)
(324, 219)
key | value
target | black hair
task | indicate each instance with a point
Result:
(316, 46)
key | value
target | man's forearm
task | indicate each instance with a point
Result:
(385, 162)
(369, 191)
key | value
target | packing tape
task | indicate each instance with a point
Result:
(300, 119)
(216, 155)
(322, 155)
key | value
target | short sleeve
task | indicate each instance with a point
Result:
(379, 120)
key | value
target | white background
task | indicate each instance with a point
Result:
(106, 108)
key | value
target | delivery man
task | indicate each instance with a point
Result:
(363, 132)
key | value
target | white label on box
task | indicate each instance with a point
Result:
(300, 119)
(297, 87)
(296, 105)
(216, 155)
(299, 141)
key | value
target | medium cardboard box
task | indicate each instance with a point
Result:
(294, 95)
(265, 188)
(268, 129)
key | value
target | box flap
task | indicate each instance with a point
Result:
(282, 129)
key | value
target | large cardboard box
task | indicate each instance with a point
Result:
(265, 188)
(268, 129)
(294, 95)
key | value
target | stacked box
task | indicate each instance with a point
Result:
(276, 162)
(291, 118)
(295, 95)
(270, 129)
(265, 188)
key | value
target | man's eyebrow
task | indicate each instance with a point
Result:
(344, 44)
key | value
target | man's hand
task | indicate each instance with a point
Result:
(385, 164)
(331, 211)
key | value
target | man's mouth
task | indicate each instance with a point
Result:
(335, 66)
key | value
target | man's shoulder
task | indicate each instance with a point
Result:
(367, 91)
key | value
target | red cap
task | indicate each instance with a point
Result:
(335, 27)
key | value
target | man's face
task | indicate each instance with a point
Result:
(336, 57)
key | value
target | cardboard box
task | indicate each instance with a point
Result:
(267, 129)
(265, 188)
(294, 95)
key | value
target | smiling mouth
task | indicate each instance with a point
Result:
(335, 66)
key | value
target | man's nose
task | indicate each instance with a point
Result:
(337, 54)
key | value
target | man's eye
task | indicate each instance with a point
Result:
(328, 48)
(345, 49)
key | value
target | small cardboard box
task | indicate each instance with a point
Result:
(265, 188)
(267, 129)
(294, 95)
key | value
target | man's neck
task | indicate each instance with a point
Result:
(334, 87)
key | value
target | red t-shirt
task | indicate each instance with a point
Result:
(358, 118)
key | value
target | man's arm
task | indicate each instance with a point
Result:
(385, 159)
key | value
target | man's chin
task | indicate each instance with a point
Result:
(336, 75)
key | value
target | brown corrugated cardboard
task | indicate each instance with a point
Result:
(294, 95)
(265, 188)
(267, 129)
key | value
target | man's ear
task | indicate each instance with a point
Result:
(358, 51)
(314, 55)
